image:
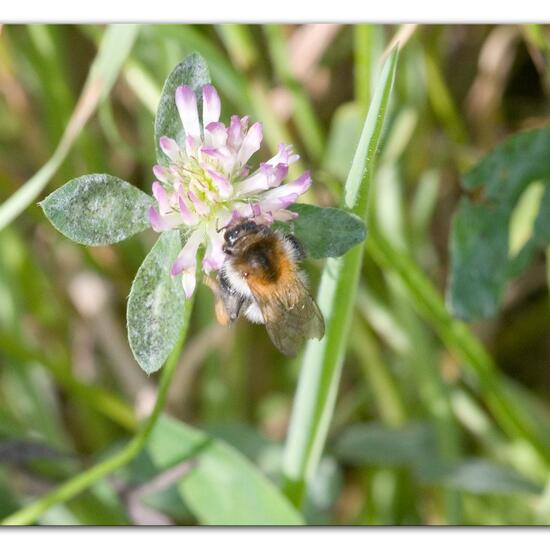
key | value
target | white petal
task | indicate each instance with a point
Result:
(211, 105)
(187, 258)
(188, 281)
(214, 256)
(251, 143)
(169, 147)
(298, 186)
(215, 135)
(186, 102)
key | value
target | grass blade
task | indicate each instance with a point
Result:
(460, 340)
(322, 362)
(113, 50)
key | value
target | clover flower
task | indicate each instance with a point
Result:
(209, 184)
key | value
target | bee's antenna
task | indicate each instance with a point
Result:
(218, 230)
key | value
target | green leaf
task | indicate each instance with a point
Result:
(376, 444)
(155, 305)
(480, 261)
(415, 446)
(98, 209)
(480, 476)
(223, 487)
(193, 72)
(325, 232)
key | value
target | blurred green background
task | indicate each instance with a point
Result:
(415, 438)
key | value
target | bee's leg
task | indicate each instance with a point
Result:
(228, 303)
(232, 304)
(220, 310)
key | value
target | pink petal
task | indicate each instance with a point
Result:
(287, 200)
(214, 255)
(240, 211)
(266, 218)
(256, 209)
(280, 172)
(157, 222)
(187, 258)
(201, 208)
(211, 105)
(190, 146)
(235, 134)
(188, 217)
(284, 155)
(298, 186)
(162, 173)
(162, 198)
(266, 177)
(284, 215)
(186, 102)
(222, 183)
(256, 182)
(251, 143)
(215, 134)
(164, 222)
(169, 147)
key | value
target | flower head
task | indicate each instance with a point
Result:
(209, 184)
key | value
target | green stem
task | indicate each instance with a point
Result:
(322, 362)
(29, 514)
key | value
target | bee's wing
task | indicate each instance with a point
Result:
(291, 316)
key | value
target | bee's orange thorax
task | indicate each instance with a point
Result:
(280, 272)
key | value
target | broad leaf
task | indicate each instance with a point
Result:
(325, 232)
(98, 209)
(193, 72)
(155, 306)
(378, 445)
(480, 253)
(481, 477)
(223, 487)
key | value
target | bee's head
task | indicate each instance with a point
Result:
(233, 233)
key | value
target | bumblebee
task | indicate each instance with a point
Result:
(260, 277)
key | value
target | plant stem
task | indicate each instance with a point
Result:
(29, 514)
(322, 362)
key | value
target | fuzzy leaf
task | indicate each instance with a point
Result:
(155, 305)
(98, 209)
(193, 72)
(481, 264)
(325, 232)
